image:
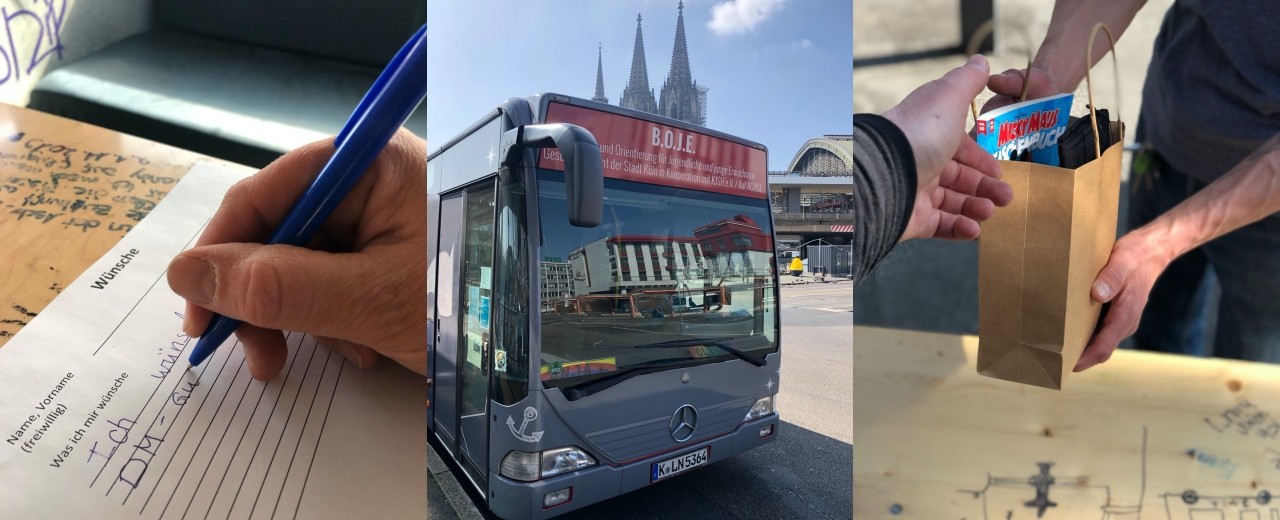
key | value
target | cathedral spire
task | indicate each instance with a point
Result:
(599, 97)
(679, 72)
(638, 95)
(681, 97)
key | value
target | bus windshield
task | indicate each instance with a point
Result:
(670, 277)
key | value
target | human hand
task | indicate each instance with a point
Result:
(1008, 86)
(957, 182)
(359, 288)
(1126, 281)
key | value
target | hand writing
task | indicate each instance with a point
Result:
(360, 286)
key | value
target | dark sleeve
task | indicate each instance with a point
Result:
(884, 188)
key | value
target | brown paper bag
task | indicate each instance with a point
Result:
(1037, 260)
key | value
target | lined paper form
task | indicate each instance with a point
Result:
(100, 419)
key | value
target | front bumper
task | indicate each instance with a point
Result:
(515, 500)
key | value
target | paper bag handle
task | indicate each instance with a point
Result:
(1088, 64)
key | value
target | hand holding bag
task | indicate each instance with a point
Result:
(1038, 258)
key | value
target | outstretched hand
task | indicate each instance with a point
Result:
(358, 289)
(958, 183)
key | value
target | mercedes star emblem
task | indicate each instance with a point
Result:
(683, 422)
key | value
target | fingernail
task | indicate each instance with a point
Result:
(1102, 290)
(974, 60)
(254, 371)
(347, 350)
(362, 358)
(192, 278)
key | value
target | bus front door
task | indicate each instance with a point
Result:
(463, 303)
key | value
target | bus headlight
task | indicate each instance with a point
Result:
(564, 460)
(763, 407)
(530, 467)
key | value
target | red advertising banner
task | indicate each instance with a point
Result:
(643, 151)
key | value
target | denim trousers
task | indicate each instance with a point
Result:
(1244, 263)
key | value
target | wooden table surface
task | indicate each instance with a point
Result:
(68, 192)
(1145, 435)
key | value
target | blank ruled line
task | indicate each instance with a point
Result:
(342, 364)
(218, 447)
(144, 295)
(301, 432)
(289, 418)
(177, 449)
(196, 451)
(126, 315)
(292, 361)
(247, 425)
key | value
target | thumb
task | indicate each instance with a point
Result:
(968, 81)
(1109, 282)
(277, 286)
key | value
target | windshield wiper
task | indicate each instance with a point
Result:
(584, 389)
(721, 343)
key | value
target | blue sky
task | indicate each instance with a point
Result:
(779, 70)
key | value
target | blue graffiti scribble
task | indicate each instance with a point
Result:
(22, 55)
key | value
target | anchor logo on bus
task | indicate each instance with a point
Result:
(530, 414)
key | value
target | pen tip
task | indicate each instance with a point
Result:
(190, 366)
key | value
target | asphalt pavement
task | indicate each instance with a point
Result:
(806, 473)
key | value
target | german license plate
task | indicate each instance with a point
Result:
(675, 466)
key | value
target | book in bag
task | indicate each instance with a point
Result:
(1026, 131)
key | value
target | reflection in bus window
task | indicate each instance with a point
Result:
(477, 293)
(665, 265)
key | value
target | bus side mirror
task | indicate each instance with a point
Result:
(583, 167)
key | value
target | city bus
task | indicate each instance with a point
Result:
(602, 302)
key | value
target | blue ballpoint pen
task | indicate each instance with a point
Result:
(395, 94)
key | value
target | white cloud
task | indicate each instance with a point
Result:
(803, 45)
(740, 16)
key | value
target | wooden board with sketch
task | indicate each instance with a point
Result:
(68, 192)
(1147, 436)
